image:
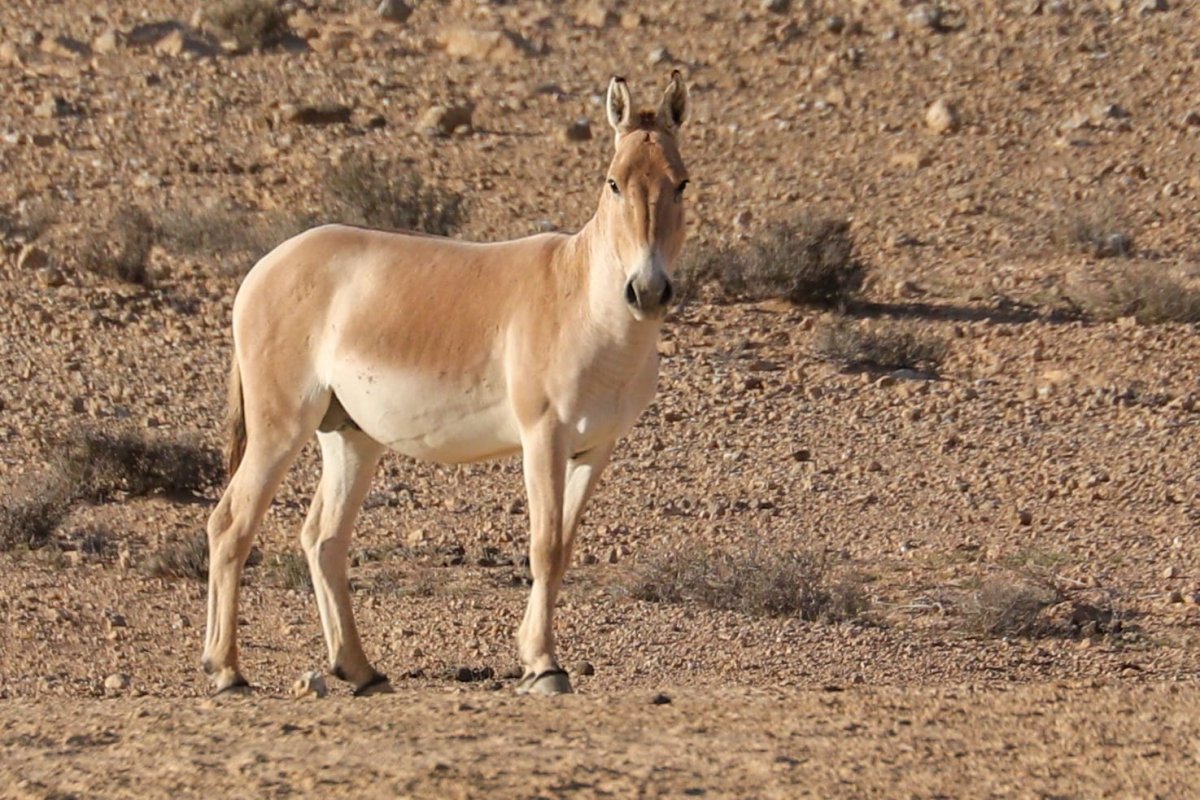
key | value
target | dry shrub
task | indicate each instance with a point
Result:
(1010, 605)
(1141, 290)
(1099, 228)
(126, 254)
(807, 262)
(251, 23)
(1031, 604)
(757, 583)
(888, 346)
(96, 465)
(180, 558)
(29, 517)
(385, 194)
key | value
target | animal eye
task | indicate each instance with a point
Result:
(613, 185)
(679, 189)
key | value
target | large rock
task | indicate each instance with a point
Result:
(470, 44)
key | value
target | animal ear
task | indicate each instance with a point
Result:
(619, 105)
(675, 101)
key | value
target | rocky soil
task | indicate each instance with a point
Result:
(965, 142)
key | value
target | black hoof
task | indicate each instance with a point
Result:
(239, 685)
(377, 685)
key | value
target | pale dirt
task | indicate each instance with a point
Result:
(917, 488)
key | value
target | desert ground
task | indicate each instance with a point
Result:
(1006, 545)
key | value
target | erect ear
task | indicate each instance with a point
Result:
(673, 110)
(619, 105)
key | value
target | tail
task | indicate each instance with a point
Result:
(235, 421)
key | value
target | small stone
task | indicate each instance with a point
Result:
(584, 668)
(116, 682)
(469, 44)
(464, 675)
(578, 131)
(9, 54)
(910, 160)
(1025, 517)
(743, 218)
(32, 258)
(1191, 118)
(596, 15)
(394, 10)
(317, 114)
(835, 24)
(66, 47)
(660, 699)
(631, 20)
(1152, 7)
(107, 42)
(445, 120)
(941, 117)
(775, 6)
(1175, 596)
(52, 106)
(310, 684)
(51, 277)
(513, 673)
(926, 16)
(1170, 572)
(659, 55)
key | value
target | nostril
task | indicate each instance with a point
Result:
(667, 294)
(631, 294)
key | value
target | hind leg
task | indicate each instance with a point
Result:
(275, 432)
(348, 460)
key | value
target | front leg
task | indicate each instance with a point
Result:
(544, 462)
(582, 473)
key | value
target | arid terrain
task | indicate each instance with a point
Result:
(1003, 545)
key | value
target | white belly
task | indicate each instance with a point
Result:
(447, 419)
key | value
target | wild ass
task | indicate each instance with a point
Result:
(451, 352)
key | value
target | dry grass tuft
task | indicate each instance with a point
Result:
(126, 255)
(1010, 605)
(1142, 290)
(251, 23)
(386, 194)
(1098, 228)
(96, 465)
(181, 558)
(757, 583)
(887, 346)
(293, 572)
(807, 262)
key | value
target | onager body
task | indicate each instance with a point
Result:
(450, 352)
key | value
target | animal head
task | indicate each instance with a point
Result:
(641, 205)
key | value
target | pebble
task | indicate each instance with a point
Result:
(659, 55)
(310, 684)
(941, 117)
(926, 16)
(116, 682)
(32, 258)
(660, 699)
(1025, 517)
(445, 120)
(775, 6)
(394, 10)
(595, 15)
(584, 668)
